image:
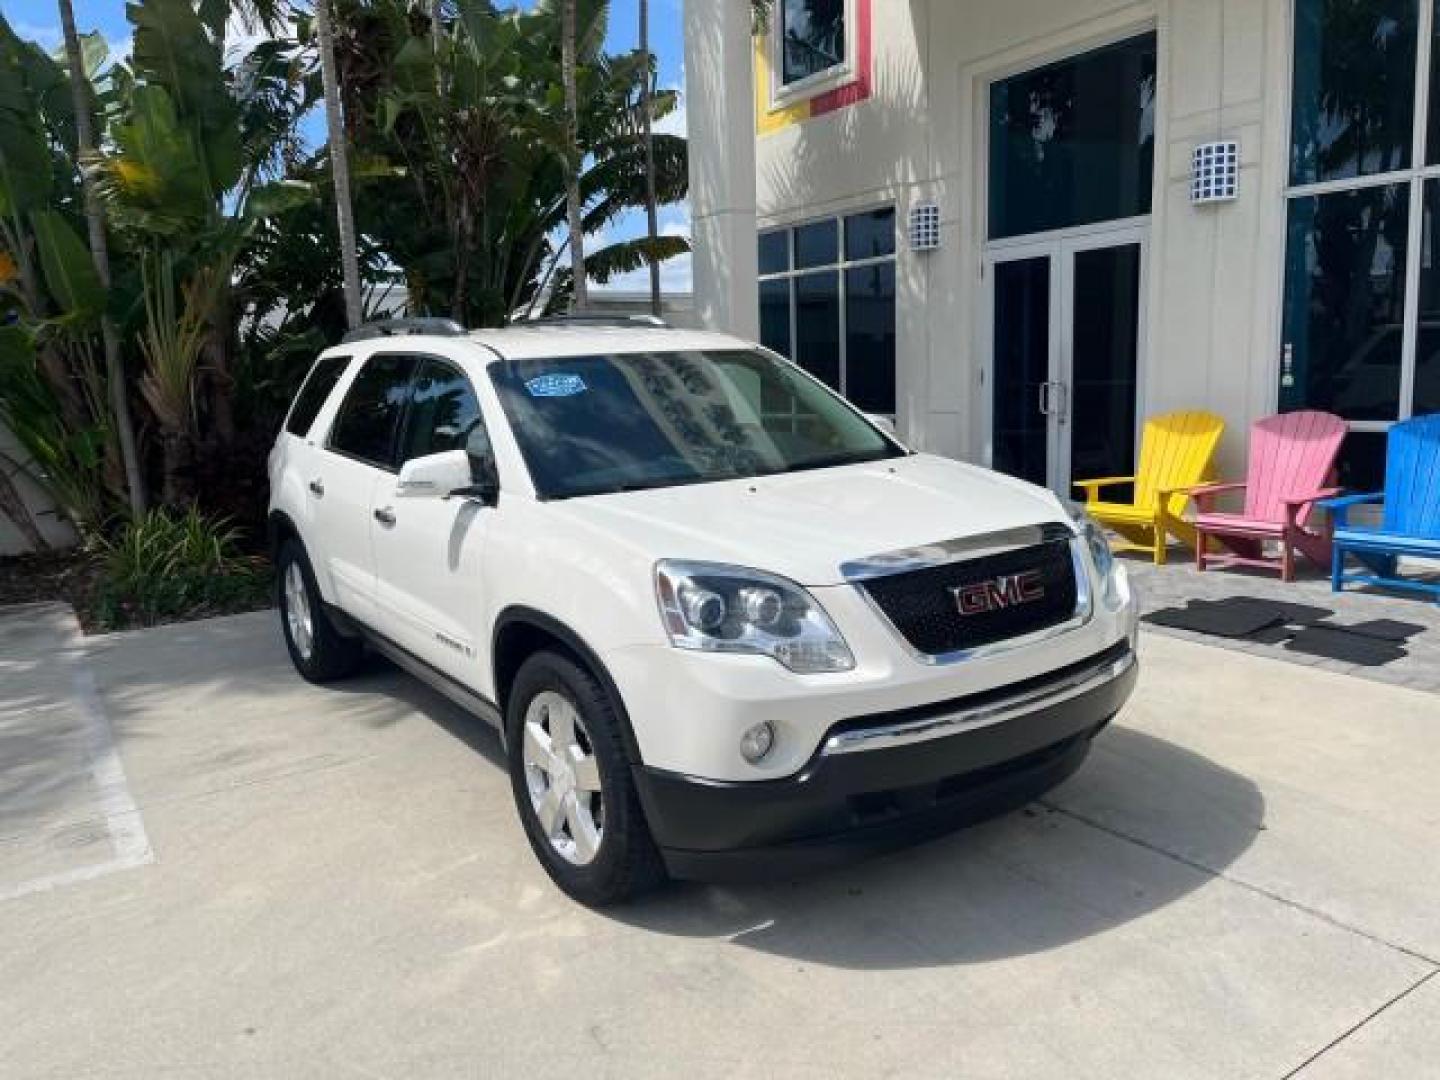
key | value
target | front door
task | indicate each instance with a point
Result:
(429, 551)
(1064, 353)
(1070, 160)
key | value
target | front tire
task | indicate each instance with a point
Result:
(572, 784)
(318, 650)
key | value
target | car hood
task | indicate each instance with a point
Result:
(805, 525)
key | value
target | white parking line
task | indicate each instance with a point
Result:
(130, 846)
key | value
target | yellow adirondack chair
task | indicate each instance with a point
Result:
(1175, 454)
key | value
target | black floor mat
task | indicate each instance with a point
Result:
(1381, 629)
(1286, 612)
(1215, 619)
(1337, 643)
(1298, 628)
(1272, 635)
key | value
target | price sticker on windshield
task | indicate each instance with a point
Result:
(560, 385)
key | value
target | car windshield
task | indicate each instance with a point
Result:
(592, 425)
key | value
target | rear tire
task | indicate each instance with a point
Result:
(318, 650)
(572, 784)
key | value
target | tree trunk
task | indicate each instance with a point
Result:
(652, 215)
(100, 253)
(175, 487)
(573, 165)
(339, 164)
(222, 383)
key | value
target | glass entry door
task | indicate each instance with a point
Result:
(1066, 327)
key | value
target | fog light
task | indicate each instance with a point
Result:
(756, 742)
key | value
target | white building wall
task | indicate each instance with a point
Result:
(1215, 273)
(52, 526)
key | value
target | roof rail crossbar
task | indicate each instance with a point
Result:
(397, 327)
(634, 322)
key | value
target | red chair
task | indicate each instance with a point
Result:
(1292, 459)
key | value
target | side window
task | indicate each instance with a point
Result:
(370, 417)
(444, 413)
(313, 394)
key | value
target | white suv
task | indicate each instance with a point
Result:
(724, 622)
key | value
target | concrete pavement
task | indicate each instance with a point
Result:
(1242, 882)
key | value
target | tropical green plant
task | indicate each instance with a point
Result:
(463, 155)
(57, 394)
(166, 565)
(169, 195)
(65, 458)
(191, 171)
(172, 338)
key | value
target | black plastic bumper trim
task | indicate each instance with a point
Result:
(841, 804)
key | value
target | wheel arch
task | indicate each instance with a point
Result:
(280, 527)
(520, 632)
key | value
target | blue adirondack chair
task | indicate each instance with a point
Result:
(1411, 522)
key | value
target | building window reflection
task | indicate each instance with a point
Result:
(827, 301)
(812, 38)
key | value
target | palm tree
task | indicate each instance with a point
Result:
(100, 254)
(573, 208)
(652, 224)
(339, 163)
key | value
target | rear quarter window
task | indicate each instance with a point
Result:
(314, 393)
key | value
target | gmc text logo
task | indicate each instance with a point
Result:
(1000, 593)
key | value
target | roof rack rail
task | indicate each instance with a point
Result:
(396, 327)
(634, 322)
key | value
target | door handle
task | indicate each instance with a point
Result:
(385, 516)
(317, 488)
(1044, 402)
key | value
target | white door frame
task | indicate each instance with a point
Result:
(1061, 247)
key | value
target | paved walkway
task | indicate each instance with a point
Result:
(1243, 882)
(1177, 583)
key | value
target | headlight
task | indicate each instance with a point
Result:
(716, 608)
(1100, 554)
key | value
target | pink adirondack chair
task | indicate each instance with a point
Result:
(1292, 459)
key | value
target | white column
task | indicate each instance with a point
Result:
(720, 114)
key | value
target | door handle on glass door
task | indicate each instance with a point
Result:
(385, 516)
(1044, 399)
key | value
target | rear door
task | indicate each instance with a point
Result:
(427, 550)
(359, 454)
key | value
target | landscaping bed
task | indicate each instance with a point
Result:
(149, 577)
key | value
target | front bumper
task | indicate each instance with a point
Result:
(878, 782)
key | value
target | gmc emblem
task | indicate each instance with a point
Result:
(999, 594)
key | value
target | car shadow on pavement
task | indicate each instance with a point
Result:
(1142, 825)
(379, 679)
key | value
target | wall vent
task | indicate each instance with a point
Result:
(924, 227)
(1216, 173)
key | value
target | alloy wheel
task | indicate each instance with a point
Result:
(563, 778)
(297, 612)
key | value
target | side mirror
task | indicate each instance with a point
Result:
(434, 476)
